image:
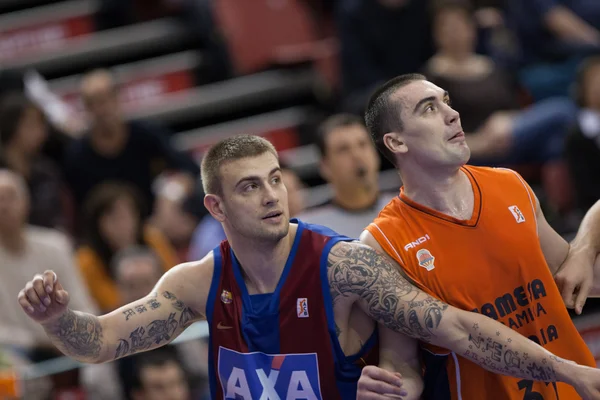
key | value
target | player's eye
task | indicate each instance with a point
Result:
(430, 107)
(249, 187)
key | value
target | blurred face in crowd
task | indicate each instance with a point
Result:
(432, 136)
(591, 88)
(254, 200)
(13, 202)
(454, 31)
(136, 277)
(350, 159)
(31, 133)
(294, 187)
(163, 382)
(101, 99)
(119, 224)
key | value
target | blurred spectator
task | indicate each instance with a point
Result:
(486, 98)
(583, 144)
(173, 214)
(350, 163)
(554, 36)
(195, 15)
(24, 252)
(116, 149)
(158, 375)
(379, 39)
(23, 132)
(209, 232)
(113, 222)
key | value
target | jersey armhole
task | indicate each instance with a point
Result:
(391, 252)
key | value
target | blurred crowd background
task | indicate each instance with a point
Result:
(106, 107)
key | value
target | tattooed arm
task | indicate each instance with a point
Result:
(177, 301)
(357, 273)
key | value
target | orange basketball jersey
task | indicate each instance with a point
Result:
(491, 264)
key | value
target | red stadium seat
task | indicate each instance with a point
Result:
(263, 33)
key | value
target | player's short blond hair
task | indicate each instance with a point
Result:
(230, 149)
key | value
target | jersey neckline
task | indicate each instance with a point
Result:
(477, 204)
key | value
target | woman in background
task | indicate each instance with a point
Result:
(113, 222)
(23, 133)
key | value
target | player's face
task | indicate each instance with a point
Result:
(432, 135)
(351, 158)
(254, 200)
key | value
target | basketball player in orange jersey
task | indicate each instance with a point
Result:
(290, 306)
(472, 237)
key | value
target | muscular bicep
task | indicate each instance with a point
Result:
(554, 247)
(358, 273)
(154, 320)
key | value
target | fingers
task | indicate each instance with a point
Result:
(375, 382)
(567, 292)
(584, 291)
(61, 296)
(25, 303)
(35, 293)
(50, 279)
(380, 374)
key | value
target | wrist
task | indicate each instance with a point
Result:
(565, 370)
(51, 322)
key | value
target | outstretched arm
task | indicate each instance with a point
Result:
(357, 273)
(148, 323)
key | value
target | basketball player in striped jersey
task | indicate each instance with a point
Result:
(292, 307)
(472, 237)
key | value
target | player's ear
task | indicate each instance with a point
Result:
(214, 205)
(395, 143)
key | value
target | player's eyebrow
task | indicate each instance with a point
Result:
(255, 177)
(427, 100)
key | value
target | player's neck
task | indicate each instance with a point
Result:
(262, 263)
(443, 190)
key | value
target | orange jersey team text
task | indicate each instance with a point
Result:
(491, 264)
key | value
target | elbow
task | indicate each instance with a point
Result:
(452, 329)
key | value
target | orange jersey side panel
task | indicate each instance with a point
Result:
(492, 264)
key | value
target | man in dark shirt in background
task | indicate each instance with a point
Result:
(116, 149)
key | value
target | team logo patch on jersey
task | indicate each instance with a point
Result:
(248, 376)
(226, 297)
(302, 307)
(425, 259)
(519, 217)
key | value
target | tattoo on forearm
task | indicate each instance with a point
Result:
(79, 335)
(153, 304)
(499, 355)
(359, 270)
(157, 332)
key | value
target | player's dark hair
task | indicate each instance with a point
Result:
(383, 113)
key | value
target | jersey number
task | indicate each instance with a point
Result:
(530, 394)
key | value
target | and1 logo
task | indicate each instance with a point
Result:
(247, 376)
